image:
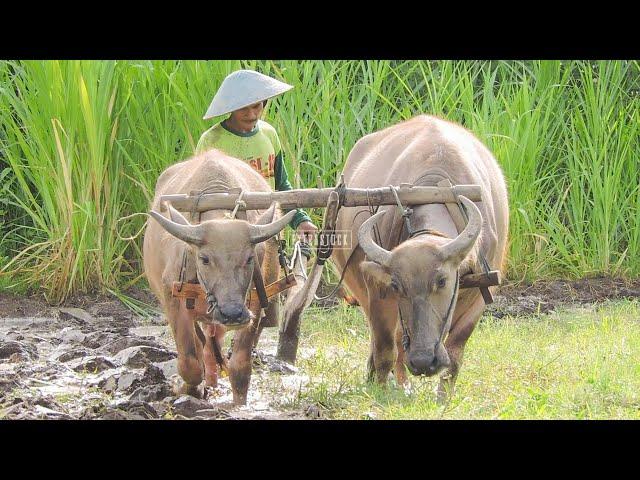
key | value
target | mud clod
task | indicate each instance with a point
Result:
(143, 355)
(152, 393)
(313, 412)
(23, 350)
(109, 384)
(136, 410)
(67, 355)
(92, 364)
(188, 406)
(128, 381)
(97, 339)
(71, 335)
(273, 364)
(123, 343)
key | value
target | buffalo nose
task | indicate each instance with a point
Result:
(424, 364)
(232, 311)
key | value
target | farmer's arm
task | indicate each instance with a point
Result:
(282, 183)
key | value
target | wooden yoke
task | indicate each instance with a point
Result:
(318, 198)
(479, 278)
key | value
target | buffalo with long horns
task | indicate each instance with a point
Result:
(220, 254)
(407, 284)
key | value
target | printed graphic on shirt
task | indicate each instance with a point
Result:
(267, 169)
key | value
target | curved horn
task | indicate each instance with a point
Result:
(187, 233)
(460, 246)
(260, 233)
(374, 251)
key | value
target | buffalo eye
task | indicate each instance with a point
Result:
(394, 286)
(204, 259)
(441, 282)
(249, 260)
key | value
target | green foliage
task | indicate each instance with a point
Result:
(573, 364)
(83, 142)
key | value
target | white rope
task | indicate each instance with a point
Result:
(239, 202)
(139, 232)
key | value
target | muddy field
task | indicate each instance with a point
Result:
(94, 359)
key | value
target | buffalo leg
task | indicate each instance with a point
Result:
(214, 360)
(383, 320)
(399, 369)
(270, 272)
(189, 347)
(270, 318)
(289, 335)
(240, 363)
(371, 364)
(455, 344)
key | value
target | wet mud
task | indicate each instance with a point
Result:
(94, 359)
(100, 361)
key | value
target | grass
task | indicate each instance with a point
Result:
(573, 364)
(82, 144)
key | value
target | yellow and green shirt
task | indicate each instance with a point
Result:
(260, 148)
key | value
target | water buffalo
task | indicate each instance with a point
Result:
(414, 280)
(220, 255)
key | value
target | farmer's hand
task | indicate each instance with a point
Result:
(306, 232)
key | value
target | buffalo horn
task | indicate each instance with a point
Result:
(187, 233)
(374, 251)
(460, 246)
(260, 233)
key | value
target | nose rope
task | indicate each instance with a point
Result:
(405, 213)
(211, 299)
(406, 339)
(447, 323)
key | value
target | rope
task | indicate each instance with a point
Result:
(239, 202)
(282, 256)
(337, 287)
(126, 239)
(372, 212)
(341, 190)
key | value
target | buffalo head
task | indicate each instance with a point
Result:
(224, 253)
(422, 274)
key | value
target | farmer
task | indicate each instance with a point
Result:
(243, 135)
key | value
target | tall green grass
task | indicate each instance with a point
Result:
(83, 142)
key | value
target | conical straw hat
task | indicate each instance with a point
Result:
(243, 88)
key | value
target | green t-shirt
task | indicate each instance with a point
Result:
(260, 148)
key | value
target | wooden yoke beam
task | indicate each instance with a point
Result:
(318, 198)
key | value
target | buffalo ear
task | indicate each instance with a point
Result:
(177, 217)
(377, 272)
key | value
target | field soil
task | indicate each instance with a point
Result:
(92, 358)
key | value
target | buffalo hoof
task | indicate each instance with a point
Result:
(211, 380)
(197, 391)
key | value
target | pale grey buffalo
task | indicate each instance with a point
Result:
(418, 276)
(220, 255)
